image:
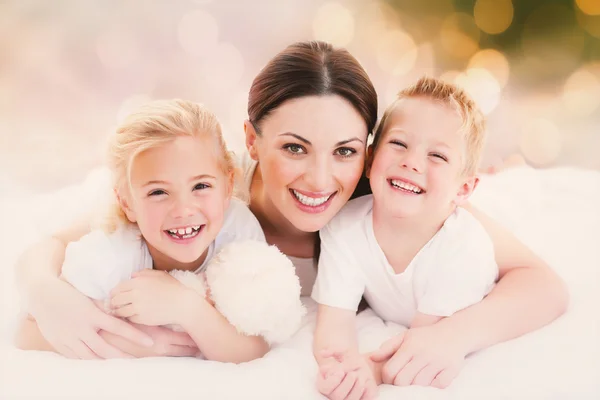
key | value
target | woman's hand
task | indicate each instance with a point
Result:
(150, 297)
(70, 322)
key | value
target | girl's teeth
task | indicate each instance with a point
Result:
(310, 201)
(188, 230)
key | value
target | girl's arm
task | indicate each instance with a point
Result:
(215, 337)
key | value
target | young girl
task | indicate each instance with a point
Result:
(173, 180)
(411, 248)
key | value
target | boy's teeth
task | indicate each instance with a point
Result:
(310, 201)
(406, 186)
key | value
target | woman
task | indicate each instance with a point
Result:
(310, 112)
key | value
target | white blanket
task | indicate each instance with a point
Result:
(555, 212)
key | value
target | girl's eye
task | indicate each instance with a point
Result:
(398, 143)
(201, 186)
(439, 156)
(157, 192)
(345, 151)
(294, 149)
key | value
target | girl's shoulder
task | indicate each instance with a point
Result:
(240, 223)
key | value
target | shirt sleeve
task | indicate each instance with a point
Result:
(241, 224)
(97, 262)
(464, 273)
(340, 280)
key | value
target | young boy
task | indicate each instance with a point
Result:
(409, 248)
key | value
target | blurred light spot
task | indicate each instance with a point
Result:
(130, 105)
(493, 16)
(376, 18)
(197, 33)
(591, 23)
(238, 113)
(334, 23)
(541, 141)
(582, 93)
(460, 35)
(450, 76)
(225, 67)
(482, 86)
(396, 52)
(494, 61)
(590, 7)
(117, 48)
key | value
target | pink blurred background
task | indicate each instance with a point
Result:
(69, 70)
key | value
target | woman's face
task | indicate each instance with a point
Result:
(311, 152)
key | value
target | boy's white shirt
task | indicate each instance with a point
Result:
(454, 270)
(99, 261)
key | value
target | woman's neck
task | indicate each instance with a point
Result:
(278, 229)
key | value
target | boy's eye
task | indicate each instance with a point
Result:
(157, 192)
(345, 151)
(201, 186)
(439, 156)
(398, 143)
(294, 148)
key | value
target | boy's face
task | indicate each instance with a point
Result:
(178, 199)
(418, 166)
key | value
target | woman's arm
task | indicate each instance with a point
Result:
(216, 338)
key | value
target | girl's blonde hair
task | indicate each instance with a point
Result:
(155, 124)
(473, 121)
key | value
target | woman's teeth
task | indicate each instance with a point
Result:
(406, 186)
(310, 201)
(184, 233)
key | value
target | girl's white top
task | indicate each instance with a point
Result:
(97, 262)
(452, 271)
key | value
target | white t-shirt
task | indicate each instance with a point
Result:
(306, 268)
(454, 270)
(97, 262)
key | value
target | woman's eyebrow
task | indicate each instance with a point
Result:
(343, 142)
(300, 138)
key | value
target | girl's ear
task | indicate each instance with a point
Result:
(125, 206)
(465, 190)
(251, 135)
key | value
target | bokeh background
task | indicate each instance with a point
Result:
(70, 70)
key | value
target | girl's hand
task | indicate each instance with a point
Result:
(150, 297)
(70, 322)
(346, 378)
(427, 356)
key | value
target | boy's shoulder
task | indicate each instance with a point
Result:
(352, 215)
(463, 230)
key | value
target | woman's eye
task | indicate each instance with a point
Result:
(201, 186)
(294, 149)
(398, 143)
(157, 192)
(345, 151)
(439, 156)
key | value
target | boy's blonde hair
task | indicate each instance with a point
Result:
(155, 124)
(473, 127)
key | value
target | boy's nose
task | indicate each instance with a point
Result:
(413, 162)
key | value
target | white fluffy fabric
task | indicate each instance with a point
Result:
(556, 212)
(256, 288)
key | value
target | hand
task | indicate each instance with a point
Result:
(345, 377)
(426, 356)
(150, 297)
(70, 322)
(167, 343)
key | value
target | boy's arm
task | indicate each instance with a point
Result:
(335, 332)
(421, 319)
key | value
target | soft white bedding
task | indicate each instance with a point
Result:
(556, 212)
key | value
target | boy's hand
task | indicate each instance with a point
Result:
(425, 356)
(150, 297)
(346, 378)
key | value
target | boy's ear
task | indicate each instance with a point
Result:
(369, 161)
(465, 190)
(250, 139)
(125, 206)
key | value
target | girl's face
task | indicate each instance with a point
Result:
(311, 153)
(178, 198)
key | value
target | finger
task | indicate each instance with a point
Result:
(388, 348)
(126, 311)
(337, 355)
(357, 390)
(125, 330)
(82, 351)
(181, 351)
(124, 286)
(102, 349)
(394, 366)
(65, 351)
(408, 373)
(326, 383)
(445, 378)
(121, 299)
(426, 375)
(179, 338)
(342, 390)
(371, 390)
